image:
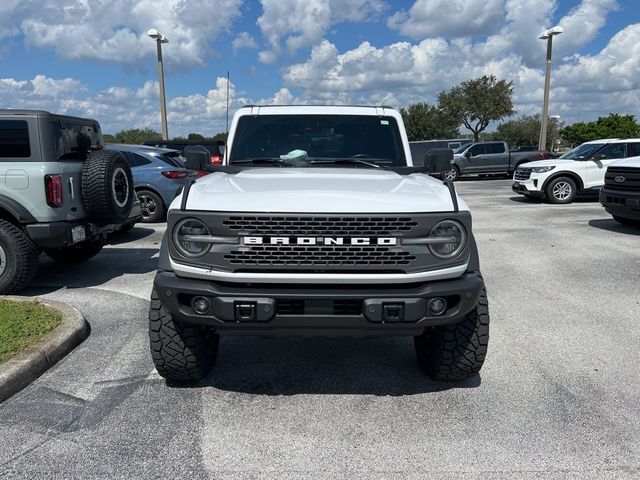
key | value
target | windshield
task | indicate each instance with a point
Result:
(462, 148)
(586, 150)
(318, 140)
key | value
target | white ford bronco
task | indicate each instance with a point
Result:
(317, 223)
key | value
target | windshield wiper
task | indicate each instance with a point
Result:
(345, 161)
(275, 161)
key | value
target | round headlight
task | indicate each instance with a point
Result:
(455, 236)
(185, 238)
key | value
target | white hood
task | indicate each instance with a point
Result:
(319, 190)
(553, 162)
(632, 162)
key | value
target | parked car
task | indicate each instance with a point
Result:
(419, 149)
(215, 147)
(158, 175)
(61, 192)
(620, 194)
(580, 171)
(489, 157)
(318, 224)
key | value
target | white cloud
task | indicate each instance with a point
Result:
(118, 108)
(401, 73)
(451, 18)
(582, 24)
(301, 23)
(244, 40)
(115, 31)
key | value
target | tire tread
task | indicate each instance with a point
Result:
(180, 352)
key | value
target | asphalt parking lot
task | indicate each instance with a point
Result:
(558, 397)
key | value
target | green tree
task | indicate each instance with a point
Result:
(195, 136)
(427, 122)
(613, 125)
(477, 102)
(525, 130)
(220, 136)
(136, 136)
(108, 138)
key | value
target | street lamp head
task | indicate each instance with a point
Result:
(557, 30)
(157, 36)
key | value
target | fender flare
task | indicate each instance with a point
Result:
(17, 211)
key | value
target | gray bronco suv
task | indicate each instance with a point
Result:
(60, 192)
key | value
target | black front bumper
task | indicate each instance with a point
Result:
(317, 309)
(621, 203)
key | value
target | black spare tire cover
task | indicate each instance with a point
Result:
(107, 187)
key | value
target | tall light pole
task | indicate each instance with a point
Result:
(548, 36)
(160, 39)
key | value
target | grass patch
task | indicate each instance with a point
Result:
(23, 324)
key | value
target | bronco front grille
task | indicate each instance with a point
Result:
(318, 255)
(328, 226)
(522, 174)
(349, 243)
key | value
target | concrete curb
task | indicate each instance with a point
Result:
(19, 371)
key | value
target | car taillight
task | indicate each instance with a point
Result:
(216, 159)
(173, 174)
(201, 173)
(544, 156)
(53, 188)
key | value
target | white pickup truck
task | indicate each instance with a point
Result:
(318, 224)
(580, 171)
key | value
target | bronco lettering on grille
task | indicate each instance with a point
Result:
(319, 241)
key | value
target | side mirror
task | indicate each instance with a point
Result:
(439, 160)
(598, 157)
(467, 153)
(197, 158)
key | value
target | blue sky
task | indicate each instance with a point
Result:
(84, 58)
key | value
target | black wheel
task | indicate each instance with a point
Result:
(180, 352)
(457, 351)
(78, 253)
(626, 221)
(152, 206)
(18, 258)
(107, 186)
(561, 190)
(452, 174)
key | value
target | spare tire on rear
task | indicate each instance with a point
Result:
(107, 187)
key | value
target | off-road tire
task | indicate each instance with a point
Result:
(627, 221)
(556, 183)
(152, 205)
(18, 258)
(78, 253)
(107, 187)
(453, 174)
(457, 351)
(180, 352)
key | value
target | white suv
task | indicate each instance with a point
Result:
(579, 171)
